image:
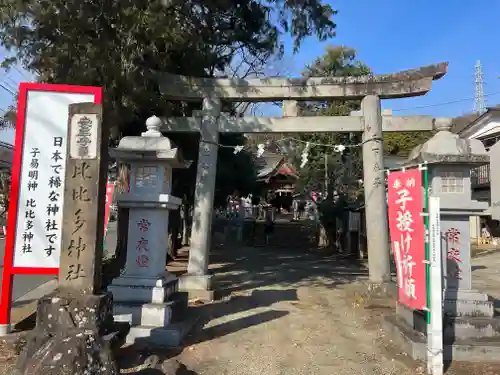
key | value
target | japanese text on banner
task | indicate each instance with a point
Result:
(408, 235)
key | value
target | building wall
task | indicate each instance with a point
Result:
(490, 130)
(489, 134)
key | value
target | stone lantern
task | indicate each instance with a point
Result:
(141, 293)
(468, 314)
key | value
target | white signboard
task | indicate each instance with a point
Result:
(435, 330)
(37, 242)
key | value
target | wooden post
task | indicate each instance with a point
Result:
(84, 199)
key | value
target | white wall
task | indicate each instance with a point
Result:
(491, 128)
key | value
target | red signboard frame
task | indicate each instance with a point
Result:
(8, 269)
(407, 229)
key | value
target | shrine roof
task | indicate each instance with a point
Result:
(267, 164)
(271, 164)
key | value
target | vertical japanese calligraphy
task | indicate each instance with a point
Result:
(38, 183)
(142, 245)
(33, 242)
(408, 235)
(454, 269)
(30, 205)
(84, 140)
(83, 232)
(54, 182)
(76, 223)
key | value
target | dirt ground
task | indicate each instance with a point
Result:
(296, 313)
(293, 313)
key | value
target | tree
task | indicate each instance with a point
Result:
(8, 120)
(344, 169)
(401, 143)
(122, 45)
(326, 167)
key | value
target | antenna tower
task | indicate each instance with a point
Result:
(479, 101)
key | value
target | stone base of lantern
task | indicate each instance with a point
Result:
(157, 324)
(468, 303)
(153, 308)
(466, 337)
(143, 289)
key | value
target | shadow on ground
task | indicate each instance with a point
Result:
(240, 269)
(476, 268)
(251, 278)
(230, 307)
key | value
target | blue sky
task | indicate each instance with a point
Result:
(392, 35)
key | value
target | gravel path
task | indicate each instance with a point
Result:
(288, 314)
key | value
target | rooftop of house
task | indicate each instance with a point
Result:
(461, 123)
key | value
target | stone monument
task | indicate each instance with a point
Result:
(74, 323)
(470, 329)
(142, 292)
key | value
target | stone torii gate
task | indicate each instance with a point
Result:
(209, 122)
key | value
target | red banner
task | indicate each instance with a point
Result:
(110, 189)
(406, 225)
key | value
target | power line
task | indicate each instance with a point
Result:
(7, 89)
(445, 103)
(22, 73)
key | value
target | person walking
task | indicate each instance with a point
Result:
(268, 224)
(295, 208)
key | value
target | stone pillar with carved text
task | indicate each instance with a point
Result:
(77, 314)
(142, 293)
(197, 279)
(375, 198)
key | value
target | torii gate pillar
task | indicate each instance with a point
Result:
(197, 278)
(375, 200)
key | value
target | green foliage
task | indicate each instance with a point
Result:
(8, 120)
(343, 169)
(4, 194)
(122, 45)
(401, 143)
(337, 61)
